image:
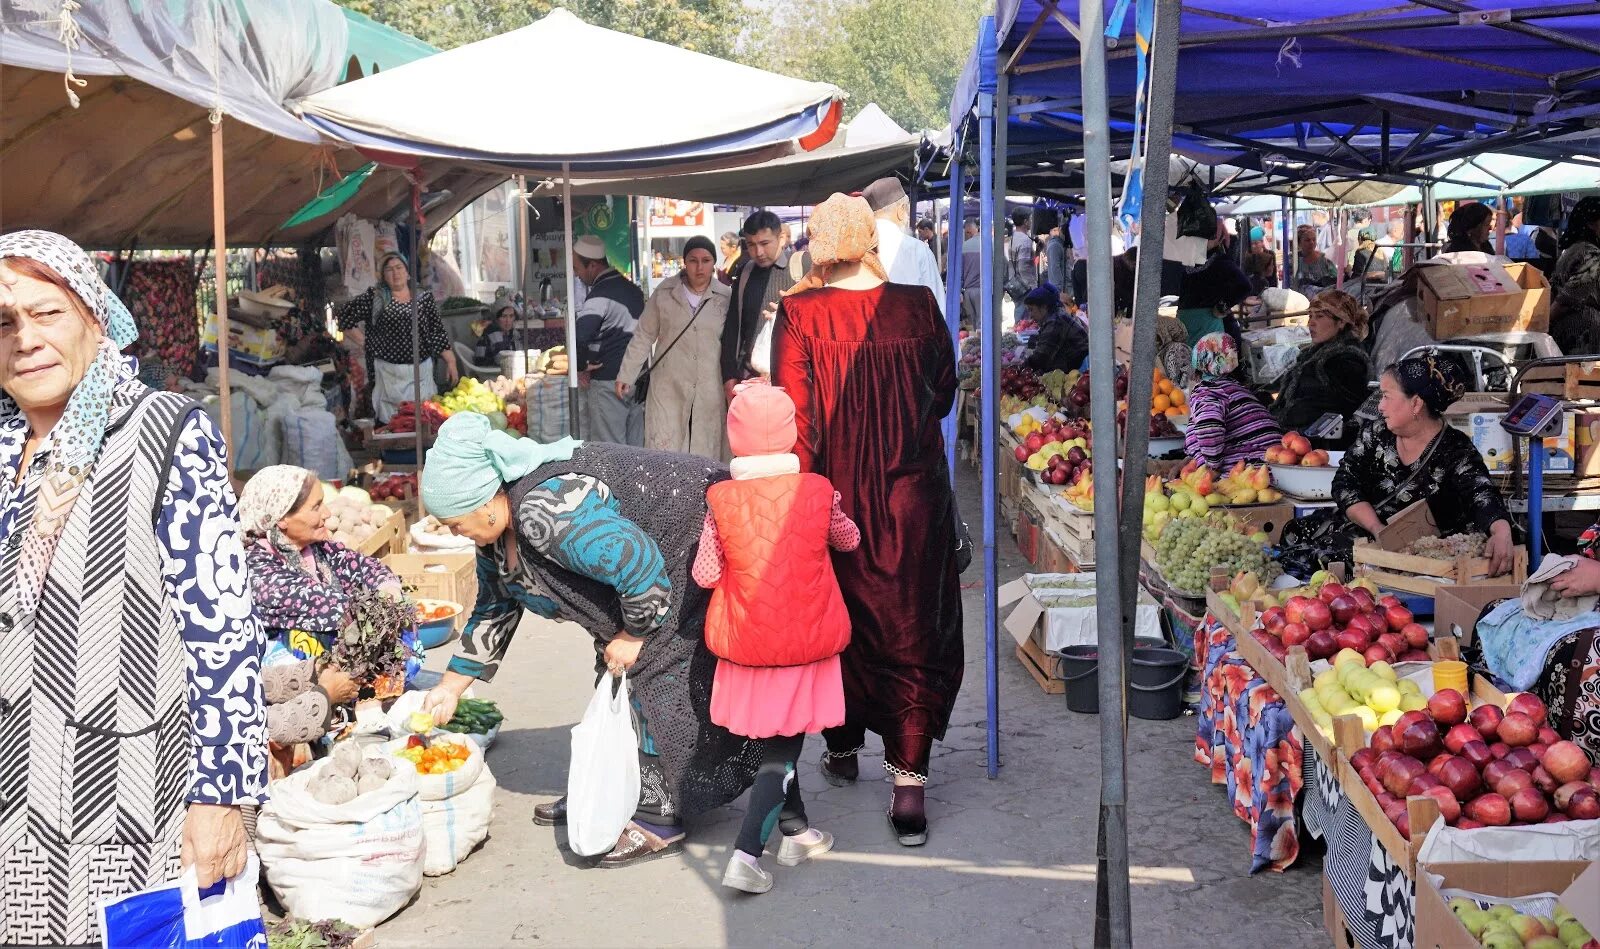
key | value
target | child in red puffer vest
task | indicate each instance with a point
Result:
(777, 621)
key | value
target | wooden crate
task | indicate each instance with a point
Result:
(1572, 382)
(1072, 529)
(1333, 918)
(1041, 666)
(389, 538)
(1424, 575)
(439, 576)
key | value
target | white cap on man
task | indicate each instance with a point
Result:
(589, 247)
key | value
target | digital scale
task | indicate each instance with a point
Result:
(1535, 417)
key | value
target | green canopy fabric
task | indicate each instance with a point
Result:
(334, 198)
(374, 47)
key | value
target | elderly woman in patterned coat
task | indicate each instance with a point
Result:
(303, 582)
(601, 535)
(130, 699)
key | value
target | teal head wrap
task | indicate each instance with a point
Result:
(470, 461)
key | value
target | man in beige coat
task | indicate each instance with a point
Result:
(678, 346)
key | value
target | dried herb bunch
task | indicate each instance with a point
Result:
(369, 645)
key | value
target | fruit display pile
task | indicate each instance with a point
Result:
(1337, 618)
(352, 517)
(1295, 449)
(1375, 694)
(1059, 451)
(1501, 927)
(1485, 767)
(437, 757)
(472, 395)
(394, 487)
(1189, 548)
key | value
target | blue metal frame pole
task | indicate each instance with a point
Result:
(1535, 501)
(991, 387)
(952, 289)
(1112, 879)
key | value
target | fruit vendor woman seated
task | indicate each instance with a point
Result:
(1410, 456)
(1331, 375)
(302, 579)
(1227, 423)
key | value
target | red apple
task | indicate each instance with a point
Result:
(1584, 805)
(1413, 655)
(1564, 793)
(1033, 443)
(1566, 761)
(1477, 753)
(1517, 729)
(1393, 642)
(1401, 773)
(1363, 758)
(1530, 705)
(1406, 718)
(1529, 805)
(1021, 453)
(1383, 739)
(1556, 817)
(1537, 750)
(1295, 609)
(1421, 783)
(1388, 600)
(1377, 652)
(1467, 823)
(1499, 749)
(1449, 805)
(1373, 784)
(1343, 607)
(1513, 782)
(1273, 619)
(1548, 735)
(1543, 781)
(1460, 777)
(1350, 639)
(1594, 777)
(1397, 617)
(1438, 762)
(1495, 771)
(1416, 635)
(1457, 737)
(1368, 626)
(1322, 645)
(1331, 592)
(1523, 758)
(1394, 809)
(1491, 810)
(1402, 823)
(1420, 739)
(1486, 719)
(1363, 599)
(1317, 615)
(1294, 634)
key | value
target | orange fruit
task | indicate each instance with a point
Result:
(1174, 412)
(1160, 403)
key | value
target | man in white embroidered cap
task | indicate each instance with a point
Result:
(605, 322)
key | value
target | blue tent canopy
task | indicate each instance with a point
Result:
(1365, 88)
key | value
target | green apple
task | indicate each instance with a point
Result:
(1500, 936)
(1570, 930)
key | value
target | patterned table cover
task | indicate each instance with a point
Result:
(1377, 899)
(1246, 736)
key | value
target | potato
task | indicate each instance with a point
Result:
(381, 768)
(369, 782)
(333, 523)
(332, 788)
(346, 759)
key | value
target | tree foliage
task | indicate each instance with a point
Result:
(905, 55)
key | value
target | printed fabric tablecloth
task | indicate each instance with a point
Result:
(1247, 737)
(1377, 899)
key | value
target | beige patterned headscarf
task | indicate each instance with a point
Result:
(842, 231)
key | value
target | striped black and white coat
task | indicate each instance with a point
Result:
(133, 689)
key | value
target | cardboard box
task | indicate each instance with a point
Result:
(439, 576)
(246, 342)
(1456, 608)
(1044, 612)
(1576, 883)
(1479, 420)
(1470, 299)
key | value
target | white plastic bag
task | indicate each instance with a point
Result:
(175, 916)
(603, 779)
(761, 350)
(359, 862)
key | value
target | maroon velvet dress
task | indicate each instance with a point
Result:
(872, 373)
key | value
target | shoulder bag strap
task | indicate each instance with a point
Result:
(686, 327)
(1581, 649)
(1416, 469)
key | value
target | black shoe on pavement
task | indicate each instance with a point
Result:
(551, 813)
(840, 770)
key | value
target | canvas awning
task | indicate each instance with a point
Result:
(454, 106)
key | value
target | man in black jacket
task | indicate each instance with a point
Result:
(758, 285)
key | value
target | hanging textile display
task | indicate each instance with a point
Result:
(357, 243)
(161, 296)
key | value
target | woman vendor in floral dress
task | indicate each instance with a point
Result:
(303, 582)
(1410, 456)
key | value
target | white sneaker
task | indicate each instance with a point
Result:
(743, 876)
(792, 853)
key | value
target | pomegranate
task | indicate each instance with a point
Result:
(1449, 708)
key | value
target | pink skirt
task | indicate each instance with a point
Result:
(773, 701)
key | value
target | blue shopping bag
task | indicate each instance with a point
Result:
(177, 915)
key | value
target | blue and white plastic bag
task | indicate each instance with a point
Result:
(176, 915)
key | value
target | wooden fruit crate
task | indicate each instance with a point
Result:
(1041, 666)
(1349, 737)
(1424, 575)
(1072, 529)
(439, 576)
(1572, 382)
(390, 537)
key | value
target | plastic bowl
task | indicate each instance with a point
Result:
(437, 632)
(1307, 484)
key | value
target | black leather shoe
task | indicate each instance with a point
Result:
(552, 813)
(840, 771)
(911, 832)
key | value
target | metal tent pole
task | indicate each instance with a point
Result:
(572, 310)
(1286, 245)
(1115, 650)
(991, 381)
(219, 225)
(952, 303)
(1112, 922)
